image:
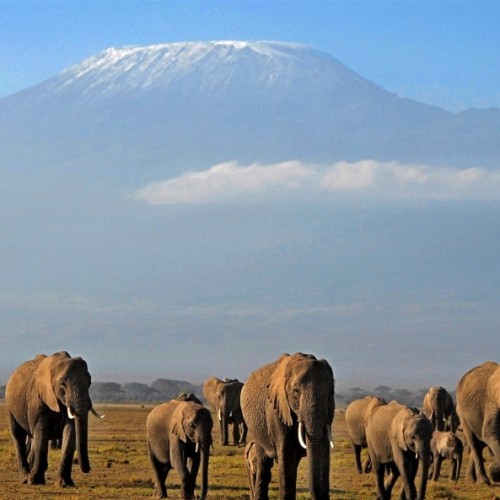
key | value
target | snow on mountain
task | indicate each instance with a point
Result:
(160, 110)
(209, 65)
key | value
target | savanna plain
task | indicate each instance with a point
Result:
(121, 469)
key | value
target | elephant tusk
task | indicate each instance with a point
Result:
(219, 414)
(95, 413)
(70, 415)
(329, 432)
(197, 447)
(230, 414)
(301, 437)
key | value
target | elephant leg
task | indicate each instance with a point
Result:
(379, 470)
(244, 432)
(454, 469)
(357, 458)
(393, 475)
(160, 472)
(236, 433)
(179, 463)
(20, 439)
(438, 460)
(39, 452)
(407, 469)
(68, 448)
(288, 461)
(367, 465)
(476, 470)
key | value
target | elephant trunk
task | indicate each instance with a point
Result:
(204, 455)
(424, 455)
(81, 428)
(318, 452)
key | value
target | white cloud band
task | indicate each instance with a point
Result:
(230, 182)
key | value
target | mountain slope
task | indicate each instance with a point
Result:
(159, 110)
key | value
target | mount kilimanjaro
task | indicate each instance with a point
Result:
(145, 112)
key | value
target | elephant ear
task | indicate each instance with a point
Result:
(277, 389)
(43, 381)
(398, 429)
(178, 421)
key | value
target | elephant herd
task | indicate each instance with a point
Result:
(398, 437)
(287, 406)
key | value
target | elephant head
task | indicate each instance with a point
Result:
(192, 422)
(301, 390)
(62, 383)
(411, 432)
(438, 407)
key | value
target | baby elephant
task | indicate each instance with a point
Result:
(256, 460)
(179, 435)
(446, 445)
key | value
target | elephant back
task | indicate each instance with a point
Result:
(471, 394)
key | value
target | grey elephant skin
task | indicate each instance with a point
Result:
(478, 406)
(398, 437)
(223, 396)
(179, 435)
(446, 445)
(439, 408)
(48, 399)
(356, 415)
(289, 407)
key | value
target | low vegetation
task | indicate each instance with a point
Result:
(120, 466)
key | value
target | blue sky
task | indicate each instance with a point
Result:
(441, 52)
(374, 284)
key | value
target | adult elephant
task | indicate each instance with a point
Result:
(179, 435)
(438, 407)
(356, 414)
(224, 398)
(289, 407)
(398, 437)
(478, 406)
(48, 399)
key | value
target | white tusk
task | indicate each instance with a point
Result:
(197, 447)
(416, 455)
(230, 414)
(95, 413)
(70, 415)
(219, 414)
(301, 437)
(329, 432)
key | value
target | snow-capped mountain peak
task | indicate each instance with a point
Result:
(204, 64)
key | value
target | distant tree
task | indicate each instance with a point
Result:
(136, 391)
(2, 392)
(383, 391)
(106, 391)
(405, 397)
(169, 389)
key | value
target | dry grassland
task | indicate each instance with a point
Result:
(121, 470)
